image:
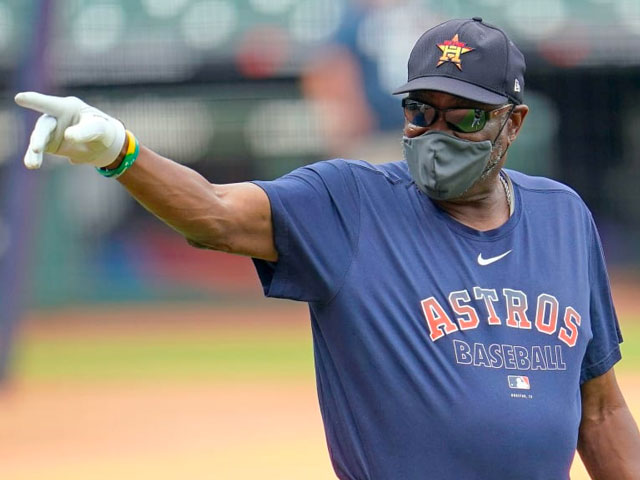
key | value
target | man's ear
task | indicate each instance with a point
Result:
(516, 120)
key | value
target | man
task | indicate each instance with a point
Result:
(462, 322)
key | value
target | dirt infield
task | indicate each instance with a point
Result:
(232, 431)
(162, 432)
(236, 429)
(220, 429)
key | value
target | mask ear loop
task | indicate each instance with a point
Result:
(513, 107)
(490, 166)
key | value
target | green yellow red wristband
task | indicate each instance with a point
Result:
(133, 149)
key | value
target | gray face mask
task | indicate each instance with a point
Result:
(444, 166)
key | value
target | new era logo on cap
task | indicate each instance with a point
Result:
(470, 59)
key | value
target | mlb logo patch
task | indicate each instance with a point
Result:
(519, 382)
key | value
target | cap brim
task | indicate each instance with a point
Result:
(453, 87)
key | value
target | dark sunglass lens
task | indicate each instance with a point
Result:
(418, 114)
(418, 119)
(467, 120)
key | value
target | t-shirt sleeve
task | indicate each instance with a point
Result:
(603, 350)
(315, 212)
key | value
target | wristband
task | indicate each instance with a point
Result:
(133, 149)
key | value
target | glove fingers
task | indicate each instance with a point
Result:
(41, 103)
(40, 137)
(32, 160)
(87, 130)
(41, 134)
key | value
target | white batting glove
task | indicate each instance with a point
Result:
(71, 128)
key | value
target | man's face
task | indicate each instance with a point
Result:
(501, 128)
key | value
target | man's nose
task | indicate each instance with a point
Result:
(439, 123)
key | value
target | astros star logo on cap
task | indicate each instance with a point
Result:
(451, 51)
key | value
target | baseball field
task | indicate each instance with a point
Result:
(184, 391)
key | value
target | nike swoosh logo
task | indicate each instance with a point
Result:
(489, 261)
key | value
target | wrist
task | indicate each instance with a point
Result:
(121, 165)
(123, 152)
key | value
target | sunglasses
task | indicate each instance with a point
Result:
(464, 120)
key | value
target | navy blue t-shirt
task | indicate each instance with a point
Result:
(443, 352)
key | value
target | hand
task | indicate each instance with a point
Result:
(71, 128)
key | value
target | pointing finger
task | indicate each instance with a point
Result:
(88, 129)
(42, 103)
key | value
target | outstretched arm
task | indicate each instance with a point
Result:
(608, 442)
(235, 218)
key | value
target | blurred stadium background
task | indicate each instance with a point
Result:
(97, 292)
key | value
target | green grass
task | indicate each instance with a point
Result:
(163, 358)
(631, 346)
(240, 355)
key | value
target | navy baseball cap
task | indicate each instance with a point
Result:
(470, 59)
